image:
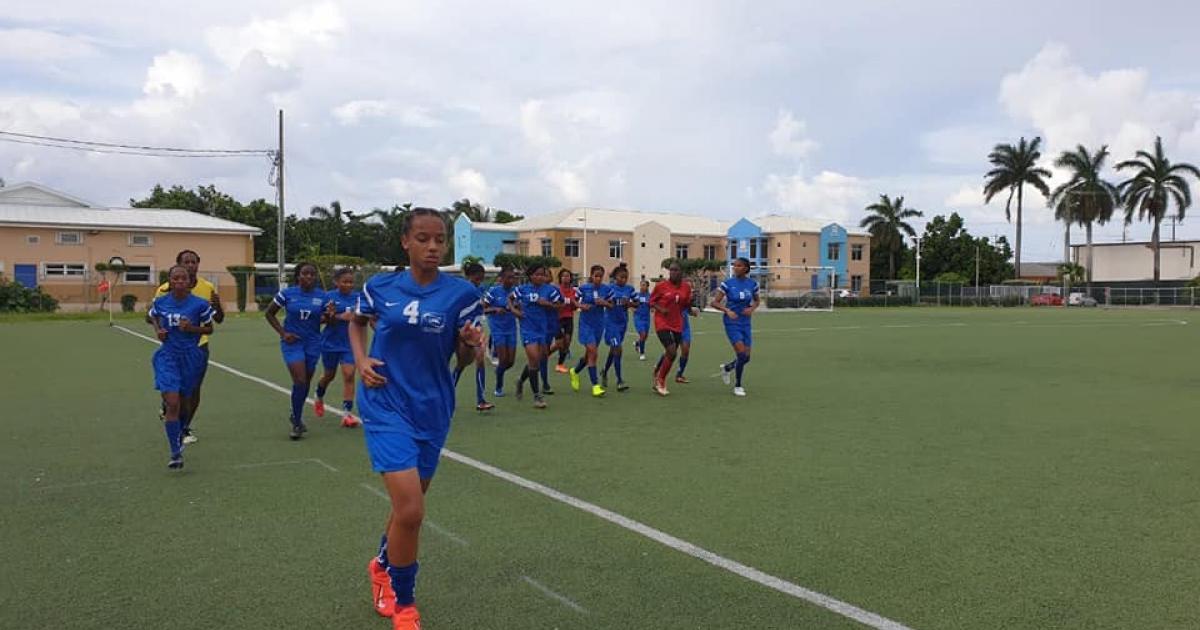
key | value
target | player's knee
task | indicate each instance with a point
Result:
(408, 516)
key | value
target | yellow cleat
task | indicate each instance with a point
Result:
(598, 391)
(574, 379)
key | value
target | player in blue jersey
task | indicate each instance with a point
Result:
(474, 273)
(536, 304)
(593, 300)
(335, 344)
(502, 324)
(406, 394)
(179, 319)
(299, 336)
(737, 297)
(616, 322)
(641, 318)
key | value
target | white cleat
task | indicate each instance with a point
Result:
(725, 375)
(641, 357)
(738, 391)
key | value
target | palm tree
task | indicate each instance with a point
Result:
(1155, 183)
(333, 217)
(1086, 199)
(1015, 167)
(887, 226)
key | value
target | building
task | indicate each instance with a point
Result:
(1133, 263)
(783, 250)
(1040, 272)
(55, 240)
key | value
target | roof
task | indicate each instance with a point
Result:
(32, 205)
(608, 220)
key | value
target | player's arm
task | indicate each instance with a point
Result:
(753, 305)
(515, 307)
(470, 334)
(357, 334)
(718, 302)
(218, 310)
(273, 320)
(152, 319)
(656, 302)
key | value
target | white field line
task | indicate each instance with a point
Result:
(1022, 324)
(831, 604)
(78, 484)
(558, 597)
(286, 462)
(437, 529)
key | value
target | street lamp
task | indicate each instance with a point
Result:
(583, 267)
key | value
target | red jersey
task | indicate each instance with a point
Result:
(675, 298)
(570, 301)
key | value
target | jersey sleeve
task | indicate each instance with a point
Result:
(153, 312)
(281, 298)
(366, 302)
(207, 314)
(555, 295)
(754, 288)
(724, 288)
(470, 311)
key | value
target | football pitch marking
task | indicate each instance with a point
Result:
(78, 484)
(747, 572)
(558, 597)
(287, 462)
(1021, 324)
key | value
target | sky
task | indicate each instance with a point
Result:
(725, 109)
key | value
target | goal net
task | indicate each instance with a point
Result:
(796, 287)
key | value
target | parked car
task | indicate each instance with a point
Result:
(847, 293)
(1046, 299)
(1081, 299)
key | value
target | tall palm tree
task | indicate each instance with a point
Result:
(1086, 199)
(887, 226)
(1155, 183)
(1015, 166)
(332, 216)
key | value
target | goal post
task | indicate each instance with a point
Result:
(795, 287)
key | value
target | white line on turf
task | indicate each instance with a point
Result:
(322, 463)
(434, 527)
(558, 597)
(287, 462)
(80, 484)
(831, 604)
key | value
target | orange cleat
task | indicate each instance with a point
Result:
(406, 618)
(561, 369)
(350, 422)
(382, 596)
(319, 408)
(682, 379)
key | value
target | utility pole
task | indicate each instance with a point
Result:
(279, 201)
(977, 274)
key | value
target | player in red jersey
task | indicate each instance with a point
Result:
(669, 299)
(566, 319)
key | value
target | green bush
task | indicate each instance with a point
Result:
(521, 263)
(128, 303)
(15, 298)
(241, 275)
(1194, 283)
(263, 301)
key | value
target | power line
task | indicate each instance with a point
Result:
(126, 152)
(124, 149)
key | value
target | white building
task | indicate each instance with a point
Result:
(1134, 262)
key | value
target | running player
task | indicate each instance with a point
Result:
(685, 343)
(335, 344)
(593, 299)
(502, 325)
(474, 273)
(641, 318)
(406, 395)
(669, 299)
(299, 336)
(566, 318)
(737, 297)
(204, 290)
(616, 322)
(178, 362)
(535, 304)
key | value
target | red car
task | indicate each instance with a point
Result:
(1046, 299)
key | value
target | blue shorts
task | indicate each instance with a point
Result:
(504, 339)
(392, 451)
(309, 353)
(532, 337)
(642, 326)
(331, 359)
(738, 330)
(589, 334)
(178, 372)
(614, 336)
(549, 339)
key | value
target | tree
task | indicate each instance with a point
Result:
(947, 248)
(1155, 183)
(888, 228)
(333, 223)
(1087, 198)
(504, 216)
(1014, 168)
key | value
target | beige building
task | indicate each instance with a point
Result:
(1134, 262)
(53, 239)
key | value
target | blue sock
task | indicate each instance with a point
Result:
(320, 391)
(728, 367)
(404, 582)
(640, 347)
(299, 393)
(544, 369)
(742, 360)
(174, 435)
(381, 557)
(480, 383)
(500, 378)
(682, 366)
(616, 361)
(582, 362)
(592, 374)
(347, 405)
(608, 362)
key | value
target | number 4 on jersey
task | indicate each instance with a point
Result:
(412, 311)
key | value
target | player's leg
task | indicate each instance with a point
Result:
(481, 362)
(168, 380)
(544, 366)
(329, 362)
(670, 341)
(299, 373)
(188, 413)
(349, 420)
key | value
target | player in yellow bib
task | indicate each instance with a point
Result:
(204, 290)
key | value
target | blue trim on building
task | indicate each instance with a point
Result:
(745, 239)
(834, 234)
(482, 243)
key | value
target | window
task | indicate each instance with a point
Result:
(856, 252)
(753, 248)
(141, 240)
(733, 250)
(33, 239)
(63, 270)
(68, 238)
(660, 245)
(616, 249)
(138, 274)
(547, 245)
(508, 247)
(856, 283)
(710, 252)
(834, 251)
(571, 248)
(681, 251)
(643, 244)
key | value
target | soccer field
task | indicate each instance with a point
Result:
(937, 468)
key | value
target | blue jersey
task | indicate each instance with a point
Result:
(588, 294)
(621, 296)
(335, 337)
(416, 333)
(643, 306)
(303, 310)
(537, 319)
(169, 312)
(499, 323)
(740, 293)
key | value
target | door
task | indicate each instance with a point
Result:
(25, 275)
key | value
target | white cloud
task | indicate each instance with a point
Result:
(174, 74)
(469, 183)
(572, 137)
(40, 46)
(360, 111)
(829, 195)
(789, 137)
(280, 41)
